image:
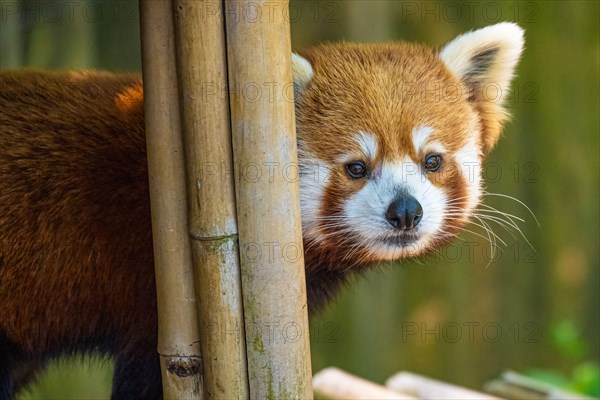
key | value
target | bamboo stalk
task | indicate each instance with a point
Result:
(335, 384)
(178, 336)
(267, 197)
(202, 72)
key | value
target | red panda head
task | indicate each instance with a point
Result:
(391, 139)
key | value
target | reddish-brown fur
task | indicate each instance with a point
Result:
(76, 266)
(76, 248)
(76, 262)
(388, 101)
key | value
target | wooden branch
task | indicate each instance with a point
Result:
(178, 337)
(202, 72)
(267, 196)
(426, 388)
(334, 384)
(512, 385)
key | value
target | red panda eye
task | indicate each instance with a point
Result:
(356, 169)
(433, 162)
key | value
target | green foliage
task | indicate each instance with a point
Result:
(585, 376)
(567, 339)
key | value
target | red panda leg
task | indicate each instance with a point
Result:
(8, 361)
(25, 374)
(137, 376)
(6, 388)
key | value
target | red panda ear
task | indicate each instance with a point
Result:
(303, 73)
(485, 60)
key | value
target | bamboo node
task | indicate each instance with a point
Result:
(184, 366)
(218, 238)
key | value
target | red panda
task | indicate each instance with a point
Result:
(390, 137)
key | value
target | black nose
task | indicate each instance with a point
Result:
(404, 213)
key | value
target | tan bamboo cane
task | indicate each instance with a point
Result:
(267, 197)
(334, 384)
(178, 337)
(202, 72)
(427, 388)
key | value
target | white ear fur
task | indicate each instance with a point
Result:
(486, 56)
(302, 71)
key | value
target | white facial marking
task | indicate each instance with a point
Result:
(420, 134)
(366, 209)
(469, 162)
(368, 147)
(314, 176)
(435, 147)
(368, 144)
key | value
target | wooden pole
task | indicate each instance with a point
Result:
(178, 337)
(202, 72)
(427, 388)
(334, 384)
(267, 197)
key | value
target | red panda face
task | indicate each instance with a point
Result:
(391, 139)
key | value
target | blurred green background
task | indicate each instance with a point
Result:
(455, 315)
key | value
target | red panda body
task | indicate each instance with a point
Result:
(76, 264)
(76, 256)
